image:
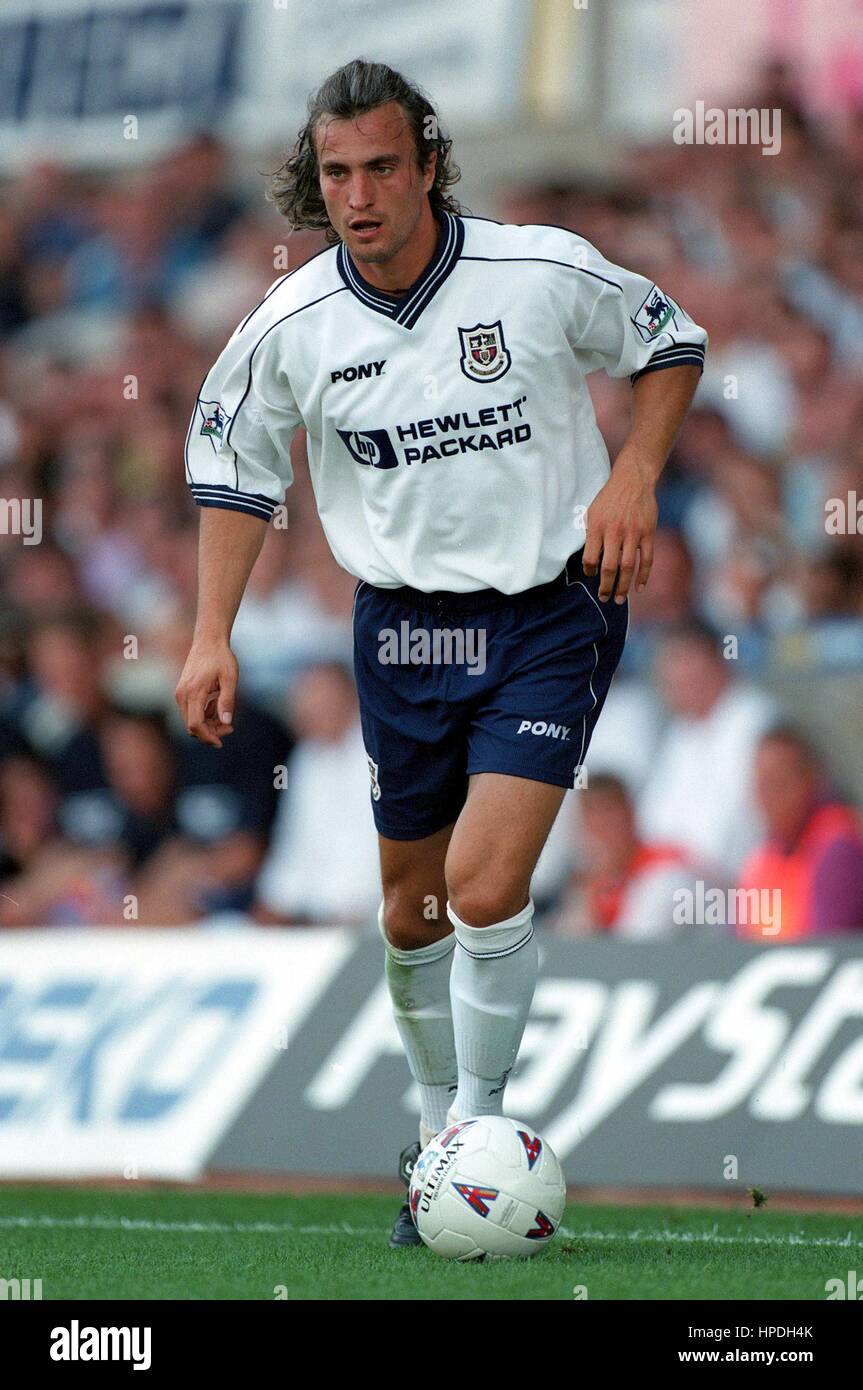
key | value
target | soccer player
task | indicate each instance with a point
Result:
(438, 364)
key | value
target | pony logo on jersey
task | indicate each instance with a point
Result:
(478, 1197)
(532, 1147)
(360, 372)
(216, 420)
(653, 314)
(484, 353)
(543, 1228)
(371, 447)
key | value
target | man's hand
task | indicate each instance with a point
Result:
(207, 688)
(228, 546)
(621, 524)
(621, 519)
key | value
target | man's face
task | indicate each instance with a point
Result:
(609, 831)
(785, 786)
(691, 677)
(371, 183)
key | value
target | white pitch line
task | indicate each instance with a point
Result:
(711, 1238)
(124, 1223)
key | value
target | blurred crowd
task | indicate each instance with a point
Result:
(116, 295)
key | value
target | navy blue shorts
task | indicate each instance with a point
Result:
(451, 685)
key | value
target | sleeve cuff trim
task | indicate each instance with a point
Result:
(688, 354)
(215, 495)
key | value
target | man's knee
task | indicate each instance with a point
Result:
(482, 897)
(410, 919)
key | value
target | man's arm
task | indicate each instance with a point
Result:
(229, 543)
(621, 519)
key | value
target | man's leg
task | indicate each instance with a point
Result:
(419, 953)
(492, 854)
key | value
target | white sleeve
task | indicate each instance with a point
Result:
(626, 324)
(238, 448)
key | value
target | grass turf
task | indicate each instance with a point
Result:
(85, 1244)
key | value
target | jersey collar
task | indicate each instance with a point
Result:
(406, 308)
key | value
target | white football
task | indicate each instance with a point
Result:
(488, 1187)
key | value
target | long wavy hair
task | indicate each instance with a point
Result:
(352, 91)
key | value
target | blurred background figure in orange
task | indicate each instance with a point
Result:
(813, 852)
(628, 886)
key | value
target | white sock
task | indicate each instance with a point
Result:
(419, 988)
(492, 983)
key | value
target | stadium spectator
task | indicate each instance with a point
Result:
(194, 181)
(194, 826)
(812, 857)
(283, 624)
(699, 793)
(628, 886)
(41, 581)
(832, 584)
(44, 879)
(668, 601)
(67, 698)
(669, 598)
(28, 809)
(140, 777)
(323, 860)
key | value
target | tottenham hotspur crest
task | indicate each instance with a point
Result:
(484, 354)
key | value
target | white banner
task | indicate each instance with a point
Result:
(116, 82)
(113, 81)
(129, 1053)
(470, 58)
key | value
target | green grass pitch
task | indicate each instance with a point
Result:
(84, 1244)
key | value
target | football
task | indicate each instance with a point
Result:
(487, 1188)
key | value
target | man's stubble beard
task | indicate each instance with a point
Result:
(381, 257)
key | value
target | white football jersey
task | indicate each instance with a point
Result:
(452, 442)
